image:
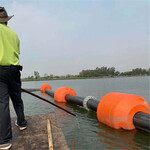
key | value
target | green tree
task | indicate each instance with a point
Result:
(51, 76)
(36, 74)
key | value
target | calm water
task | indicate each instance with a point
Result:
(84, 132)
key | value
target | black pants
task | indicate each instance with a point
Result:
(10, 86)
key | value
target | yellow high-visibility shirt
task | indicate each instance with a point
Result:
(9, 46)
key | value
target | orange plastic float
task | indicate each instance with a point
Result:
(60, 94)
(147, 111)
(44, 87)
(117, 109)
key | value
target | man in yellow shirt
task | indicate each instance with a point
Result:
(10, 83)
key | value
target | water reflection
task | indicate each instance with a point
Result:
(63, 117)
(123, 139)
(110, 138)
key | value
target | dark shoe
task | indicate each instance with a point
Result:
(5, 146)
(20, 127)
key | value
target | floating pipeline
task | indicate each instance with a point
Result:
(117, 110)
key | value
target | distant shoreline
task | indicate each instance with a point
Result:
(75, 78)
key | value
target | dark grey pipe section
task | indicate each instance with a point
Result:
(74, 99)
(141, 121)
(50, 92)
(92, 104)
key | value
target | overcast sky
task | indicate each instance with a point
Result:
(66, 36)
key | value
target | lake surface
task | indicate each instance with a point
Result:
(84, 132)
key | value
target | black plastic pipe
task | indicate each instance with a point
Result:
(74, 99)
(141, 120)
(50, 92)
(91, 104)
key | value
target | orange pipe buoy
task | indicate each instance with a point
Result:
(117, 109)
(60, 94)
(44, 87)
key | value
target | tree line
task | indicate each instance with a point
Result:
(111, 72)
(95, 73)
